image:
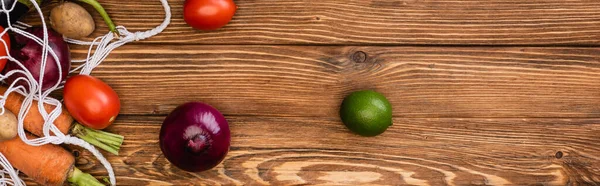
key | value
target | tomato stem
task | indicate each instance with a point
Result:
(104, 140)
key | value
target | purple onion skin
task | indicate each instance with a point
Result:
(29, 53)
(195, 137)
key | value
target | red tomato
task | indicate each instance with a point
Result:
(3, 51)
(91, 102)
(208, 14)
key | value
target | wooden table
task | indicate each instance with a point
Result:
(484, 92)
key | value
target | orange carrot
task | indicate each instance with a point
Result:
(47, 164)
(34, 123)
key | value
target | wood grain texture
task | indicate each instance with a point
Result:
(465, 114)
(312, 81)
(451, 151)
(470, 22)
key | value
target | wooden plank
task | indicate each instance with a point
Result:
(312, 81)
(473, 22)
(418, 151)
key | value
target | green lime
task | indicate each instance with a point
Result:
(366, 113)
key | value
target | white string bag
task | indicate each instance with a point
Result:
(103, 46)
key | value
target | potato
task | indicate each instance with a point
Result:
(8, 125)
(72, 20)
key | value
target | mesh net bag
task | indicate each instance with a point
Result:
(35, 97)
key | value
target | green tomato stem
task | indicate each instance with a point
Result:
(103, 140)
(77, 177)
(100, 9)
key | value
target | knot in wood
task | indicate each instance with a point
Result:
(359, 57)
(559, 154)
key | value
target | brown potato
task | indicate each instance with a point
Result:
(8, 125)
(72, 20)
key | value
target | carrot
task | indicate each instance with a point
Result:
(47, 164)
(34, 123)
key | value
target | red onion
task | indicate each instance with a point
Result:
(195, 137)
(29, 53)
